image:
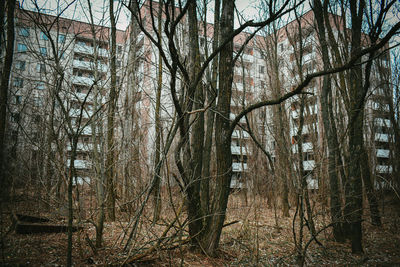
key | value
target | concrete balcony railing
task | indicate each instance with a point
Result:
(384, 169)
(88, 50)
(87, 65)
(81, 147)
(239, 167)
(309, 165)
(383, 122)
(88, 81)
(306, 147)
(74, 113)
(80, 164)
(382, 153)
(381, 137)
(240, 134)
(237, 150)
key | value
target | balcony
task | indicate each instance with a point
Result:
(309, 165)
(239, 167)
(81, 180)
(82, 80)
(77, 112)
(247, 57)
(235, 183)
(384, 169)
(237, 150)
(87, 65)
(80, 164)
(88, 50)
(240, 134)
(81, 147)
(238, 86)
(382, 122)
(306, 147)
(382, 153)
(381, 137)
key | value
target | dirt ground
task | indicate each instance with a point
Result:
(254, 239)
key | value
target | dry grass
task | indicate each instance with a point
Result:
(253, 241)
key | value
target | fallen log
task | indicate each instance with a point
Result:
(31, 219)
(27, 224)
(33, 228)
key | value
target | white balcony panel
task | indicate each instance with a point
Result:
(81, 147)
(240, 134)
(103, 52)
(81, 180)
(237, 150)
(80, 164)
(83, 49)
(382, 153)
(382, 122)
(239, 167)
(82, 80)
(381, 137)
(307, 57)
(295, 114)
(306, 147)
(248, 57)
(309, 165)
(77, 112)
(86, 65)
(238, 86)
(235, 183)
(384, 169)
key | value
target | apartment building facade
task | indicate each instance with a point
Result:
(44, 43)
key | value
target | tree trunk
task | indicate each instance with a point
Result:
(335, 202)
(211, 95)
(157, 182)
(4, 92)
(110, 162)
(211, 237)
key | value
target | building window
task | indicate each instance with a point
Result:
(43, 51)
(41, 68)
(118, 64)
(119, 49)
(40, 85)
(43, 36)
(262, 68)
(24, 32)
(18, 99)
(18, 82)
(22, 48)
(61, 38)
(20, 65)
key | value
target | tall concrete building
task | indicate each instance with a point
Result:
(43, 112)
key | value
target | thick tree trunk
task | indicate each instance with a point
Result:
(4, 92)
(211, 237)
(208, 139)
(197, 136)
(335, 202)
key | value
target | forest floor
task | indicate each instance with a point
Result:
(254, 239)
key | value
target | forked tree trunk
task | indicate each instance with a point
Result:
(335, 202)
(211, 237)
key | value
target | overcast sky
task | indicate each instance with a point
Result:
(79, 9)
